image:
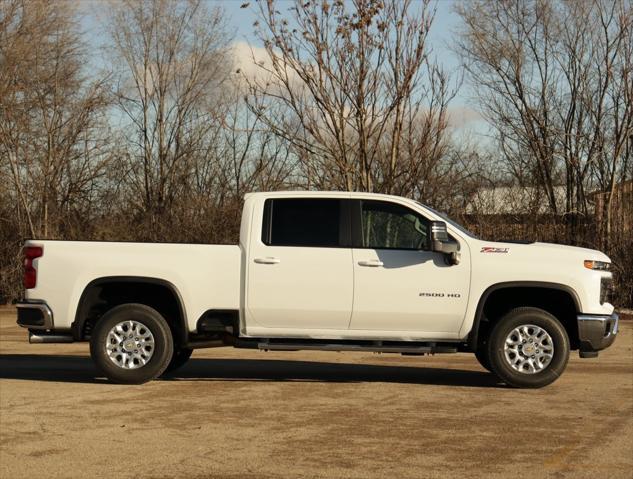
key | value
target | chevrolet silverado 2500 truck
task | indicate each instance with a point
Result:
(327, 271)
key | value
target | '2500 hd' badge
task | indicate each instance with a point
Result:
(490, 249)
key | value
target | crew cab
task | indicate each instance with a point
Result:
(334, 271)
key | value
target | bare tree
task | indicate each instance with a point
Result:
(554, 80)
(53, 134)
(50, 114)
(252, 157)
(351, 88)
(174, 63)
(241, 155)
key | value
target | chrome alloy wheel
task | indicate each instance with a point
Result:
(130, 344)
(528, 349)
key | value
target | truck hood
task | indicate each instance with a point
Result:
(542, 250)
(586, 253)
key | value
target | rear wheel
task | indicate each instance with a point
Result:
(131, 344)
(528, 348)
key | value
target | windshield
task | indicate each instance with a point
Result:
(454, 224)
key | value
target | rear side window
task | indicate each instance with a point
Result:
(302, 222)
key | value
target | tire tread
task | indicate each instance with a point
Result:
(554, 328)
(159, 328)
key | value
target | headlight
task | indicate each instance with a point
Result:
(597, 265)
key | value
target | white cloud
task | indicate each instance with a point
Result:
(461, 116)
(248, 58)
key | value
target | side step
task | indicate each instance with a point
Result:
(45, 338)
(376, 347)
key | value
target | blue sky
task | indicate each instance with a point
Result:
(445, 26)
(240, 24)
(446, 22)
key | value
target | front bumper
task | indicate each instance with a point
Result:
(596, 332)
(35, 315)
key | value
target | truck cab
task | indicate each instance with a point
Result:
(347, 266)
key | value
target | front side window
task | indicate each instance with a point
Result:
(392, 226)
(302, 222)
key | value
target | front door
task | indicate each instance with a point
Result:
(399, 284)
(300, 277)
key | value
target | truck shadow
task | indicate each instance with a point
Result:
(80, 369)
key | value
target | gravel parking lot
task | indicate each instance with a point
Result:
(239, 413)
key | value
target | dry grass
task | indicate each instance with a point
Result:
(235, 414)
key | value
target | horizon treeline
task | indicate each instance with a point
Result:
(157, 133)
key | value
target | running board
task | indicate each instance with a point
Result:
(45, 338)
(372, 348)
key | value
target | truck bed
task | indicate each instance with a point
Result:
(206, 276)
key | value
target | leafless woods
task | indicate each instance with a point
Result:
(157, 135)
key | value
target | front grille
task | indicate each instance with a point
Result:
(606, 290)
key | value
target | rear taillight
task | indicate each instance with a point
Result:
(30, 273)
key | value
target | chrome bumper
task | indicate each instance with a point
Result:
(596, 332)
(35, 316)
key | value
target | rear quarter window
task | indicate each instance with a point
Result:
(313, 222)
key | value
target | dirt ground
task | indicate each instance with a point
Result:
(239, 413)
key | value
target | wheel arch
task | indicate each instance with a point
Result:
(522, 290)
(103, 293)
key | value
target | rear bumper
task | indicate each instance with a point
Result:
(596, 332)
(34, 315)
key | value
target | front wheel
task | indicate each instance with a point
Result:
(131, 344)
(528, 348)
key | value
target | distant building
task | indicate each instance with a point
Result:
(515, 205)
(513, 200)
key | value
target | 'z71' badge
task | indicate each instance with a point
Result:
(490, 249)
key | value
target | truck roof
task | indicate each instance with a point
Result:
(333, 194)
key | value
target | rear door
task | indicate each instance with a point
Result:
(300, 271)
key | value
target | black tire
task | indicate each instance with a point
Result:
(161, 351)
(482, 356)
(528, 316)
(179, 359)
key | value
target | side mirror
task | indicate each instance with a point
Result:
(441, 243)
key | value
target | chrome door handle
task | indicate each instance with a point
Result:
(267, 260)
(372, 263)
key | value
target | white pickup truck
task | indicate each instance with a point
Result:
(327, 271)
